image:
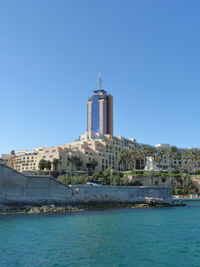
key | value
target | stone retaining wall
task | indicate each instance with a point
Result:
(16, 187)
(121, 194)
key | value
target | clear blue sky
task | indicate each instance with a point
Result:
(51, 53)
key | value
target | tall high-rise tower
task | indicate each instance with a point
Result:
(100, 111)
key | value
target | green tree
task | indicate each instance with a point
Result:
(116, 180)
(192, 156)
(139, 156)
(42, 164)
(159, 156)
(55, 164)
(124, 159)
(48, 165)
(95, 176)
(65, 179)
(76, 162)
(171, 154)
(79, 179)
(106, 177)
(131, 157)
(91, 165)
(148, 151)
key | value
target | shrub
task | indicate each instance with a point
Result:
(163, 178)
(178, 191)
(65, 179)
(135, 183)
(116, 180)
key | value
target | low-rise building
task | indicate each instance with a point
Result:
(28, 160)
(104, 150)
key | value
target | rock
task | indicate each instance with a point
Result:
(51, 209)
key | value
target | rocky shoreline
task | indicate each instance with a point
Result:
(6, 210)
(45, 209)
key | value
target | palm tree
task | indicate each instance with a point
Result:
(55, 164)
(171, 154)
(124, 158)
(198, 157)
(76, 162)
(178, 156)
(139, 156)
(91, 165)
(159, 156)
(148, 151)
(132, 157)
(191, 155)
(194, 156)
(44, 164)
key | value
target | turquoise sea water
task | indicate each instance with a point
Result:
(117, 237)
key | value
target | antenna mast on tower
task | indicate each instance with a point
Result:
(100, 80)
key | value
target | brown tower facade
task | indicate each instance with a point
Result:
(100, 112)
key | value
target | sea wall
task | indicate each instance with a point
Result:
(18, 188)
(121, 194)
